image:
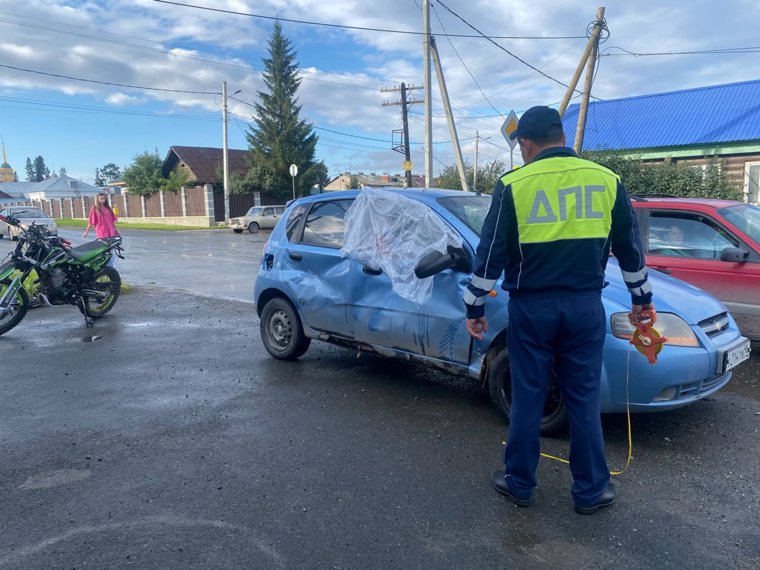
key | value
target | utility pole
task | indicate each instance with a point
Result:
(426, 79)
(225, 161)
(475, 169)
(404, 147)
(449, 114)
(593, 43)
(583, 111)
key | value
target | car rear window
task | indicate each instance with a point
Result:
(325, 223)
(29, 213)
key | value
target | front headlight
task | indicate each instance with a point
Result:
(672, 326)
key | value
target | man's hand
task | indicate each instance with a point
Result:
(477, 327)
(635, 317)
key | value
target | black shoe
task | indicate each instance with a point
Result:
(497, 478)
(605, 500)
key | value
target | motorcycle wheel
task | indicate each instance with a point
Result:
(107, 285)
(17, 309)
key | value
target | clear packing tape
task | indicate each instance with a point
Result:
(389, 231)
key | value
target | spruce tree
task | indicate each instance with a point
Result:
(279, 136)
(30, 170)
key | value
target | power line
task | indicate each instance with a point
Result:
(518, 58)
(360, 28)
(464, 64)
(105, 110)
(718, 51)
(171, 53)
(110, 83)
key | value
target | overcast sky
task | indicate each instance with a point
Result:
(82, 125)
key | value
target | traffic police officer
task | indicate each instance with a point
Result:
(549, 229)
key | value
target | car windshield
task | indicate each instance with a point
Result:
(471, 210)
(745, 217)
(29, 213)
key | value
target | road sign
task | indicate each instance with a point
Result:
(509, 127)
(407, 165)
(293, 170)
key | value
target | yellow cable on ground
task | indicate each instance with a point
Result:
(628, 414)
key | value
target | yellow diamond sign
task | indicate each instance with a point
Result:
(509, 127)
(407, 165)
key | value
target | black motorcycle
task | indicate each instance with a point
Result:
(78, 276)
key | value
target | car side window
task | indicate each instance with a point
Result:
(687, 235)
(293, 222)
(325, 223)
(268, 212)
(279, 211)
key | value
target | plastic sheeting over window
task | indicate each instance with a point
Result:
(389, 231)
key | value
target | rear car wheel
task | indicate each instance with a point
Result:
(100, 296)
(253, 227)
(16, 310)
(554, 419)
(281, 330)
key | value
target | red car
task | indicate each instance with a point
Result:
(713, 244)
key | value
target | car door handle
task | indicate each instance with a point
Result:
(295, 256)
(371, 270)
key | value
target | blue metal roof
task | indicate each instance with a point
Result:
(707, 115)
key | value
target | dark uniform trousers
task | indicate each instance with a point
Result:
(567, 333)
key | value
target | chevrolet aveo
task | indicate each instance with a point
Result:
(384, 271)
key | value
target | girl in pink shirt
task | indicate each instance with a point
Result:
(102, 219)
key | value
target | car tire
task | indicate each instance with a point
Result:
(281, 330)
(554, 419)
(253, 227)
(238, 231)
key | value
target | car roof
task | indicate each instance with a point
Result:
(713, 202)
(419, 194)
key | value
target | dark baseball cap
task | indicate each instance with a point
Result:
(538, 123)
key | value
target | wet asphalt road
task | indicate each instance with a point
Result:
(166, 437)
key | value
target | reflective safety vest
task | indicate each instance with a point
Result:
(550, 228)
(562, 198)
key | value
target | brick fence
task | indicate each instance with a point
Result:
(194, 206)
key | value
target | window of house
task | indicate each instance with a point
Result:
(325, 223)
(752, 182)
(687, 235)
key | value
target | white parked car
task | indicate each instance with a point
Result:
(26, 215)
(256, 218)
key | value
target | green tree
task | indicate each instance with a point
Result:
(323, 176)
(99, 178)
(110, 172)
(279, 136)
(669, 177)
(41, 171)
(143, 176)
(176, 180)
(29, 170)
(488, 175)
(62, 171)
(353, 182)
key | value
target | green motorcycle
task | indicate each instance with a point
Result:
(78, 276)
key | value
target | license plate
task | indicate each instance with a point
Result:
(735, 356)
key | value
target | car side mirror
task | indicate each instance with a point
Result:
(734, 255)
(434, 262)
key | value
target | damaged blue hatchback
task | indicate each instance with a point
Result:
(384, 271)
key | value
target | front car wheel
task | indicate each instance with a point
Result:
(554, 417)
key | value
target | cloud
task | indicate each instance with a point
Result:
(118, 99)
